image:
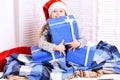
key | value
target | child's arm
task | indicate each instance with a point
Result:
(46, 44)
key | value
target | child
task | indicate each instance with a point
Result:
(54, 9)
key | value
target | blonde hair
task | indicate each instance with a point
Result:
(44, 27)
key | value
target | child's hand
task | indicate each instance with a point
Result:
(60, 48)
(73, 44)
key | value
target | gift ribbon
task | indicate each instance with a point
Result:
(57, 23)
(35, 50)
(69, 20)
(53, 56)
(87, 54)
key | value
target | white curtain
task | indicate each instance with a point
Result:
(108, 21)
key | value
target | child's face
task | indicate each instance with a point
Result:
(58, 13)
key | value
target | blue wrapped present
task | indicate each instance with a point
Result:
(82, 56)
(40, 55)
(63, 28)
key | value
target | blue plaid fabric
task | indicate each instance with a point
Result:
(23, 65)
(106, 57)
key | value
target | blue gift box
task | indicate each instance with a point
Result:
(63, 28)
(40, 55)
(82, 56)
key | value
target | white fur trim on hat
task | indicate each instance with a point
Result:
(57, 5)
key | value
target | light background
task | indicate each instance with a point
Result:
(21, 21)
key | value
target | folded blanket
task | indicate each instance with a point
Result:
(106, 57)
(6, 53)
(23, 65)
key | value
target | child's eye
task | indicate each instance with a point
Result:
(61, 11)
(54, 11)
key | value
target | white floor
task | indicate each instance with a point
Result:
(104, 77)
(1, 74)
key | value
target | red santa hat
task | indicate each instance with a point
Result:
(51, 5)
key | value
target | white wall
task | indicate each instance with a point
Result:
(7, 33)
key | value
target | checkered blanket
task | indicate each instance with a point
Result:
(106, 57)
(23, 65)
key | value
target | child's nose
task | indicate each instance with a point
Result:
(58, 13)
